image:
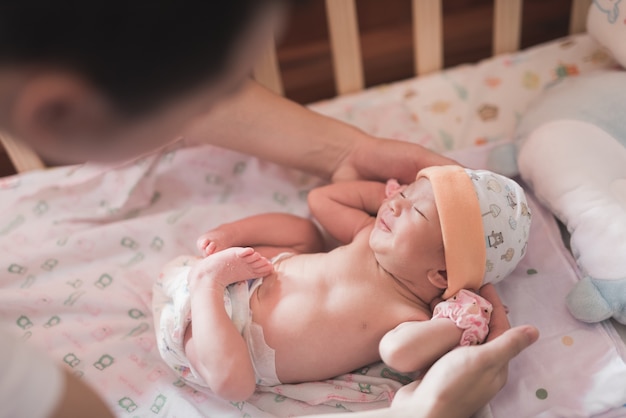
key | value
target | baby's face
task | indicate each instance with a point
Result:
(406, 238)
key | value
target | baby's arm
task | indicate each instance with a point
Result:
(269, 234)
(415, 345)
(345, 208)
(461, 320)
(214, 347)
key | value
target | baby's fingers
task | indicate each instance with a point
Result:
(202, 242)
(210, 248)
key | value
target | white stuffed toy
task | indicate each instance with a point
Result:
(571, 151)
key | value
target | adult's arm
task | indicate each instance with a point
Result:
(79, 400)
(259, 122)
(33, 385)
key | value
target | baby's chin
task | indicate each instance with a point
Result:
(373, 241)
(383, 260)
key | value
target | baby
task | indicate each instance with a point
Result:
(313, 315)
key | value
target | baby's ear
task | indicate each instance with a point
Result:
(393, 187)
(438, 278)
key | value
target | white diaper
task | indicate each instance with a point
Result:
(171, 306)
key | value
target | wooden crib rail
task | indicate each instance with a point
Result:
(427, 36)
(345, 45)
(578, 16)
(20, 154)
(427, 39)
(507, 25)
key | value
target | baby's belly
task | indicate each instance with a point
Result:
(317, 332)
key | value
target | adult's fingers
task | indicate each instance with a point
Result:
(512, 342)
(489, 292)
(499, 322)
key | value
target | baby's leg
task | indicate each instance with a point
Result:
(181, 261)
(230, 266)
(171, 268)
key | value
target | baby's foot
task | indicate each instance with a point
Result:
(232, 265)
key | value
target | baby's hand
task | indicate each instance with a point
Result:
(470, 312)
(392, 187)
(206, 246)
(212, 242)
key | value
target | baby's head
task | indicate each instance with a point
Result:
(457, 227)
(485, 221)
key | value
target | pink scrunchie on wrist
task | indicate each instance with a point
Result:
(470, 312)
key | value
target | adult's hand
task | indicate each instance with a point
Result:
(465, 379)
(459, 383)
(381, 159)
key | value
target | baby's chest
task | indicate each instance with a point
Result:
(363, 311)
(331, 299)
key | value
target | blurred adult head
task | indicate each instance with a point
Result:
(106, 79)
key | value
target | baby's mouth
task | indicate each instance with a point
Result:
(383, 225)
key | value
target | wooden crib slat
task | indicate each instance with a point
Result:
(267, 72)
(427, 36)
(345, 45)
(578, 16)
(507, 23)
(20, 154)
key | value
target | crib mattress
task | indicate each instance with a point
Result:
(82, 246)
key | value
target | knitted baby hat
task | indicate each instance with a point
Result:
(485, 221)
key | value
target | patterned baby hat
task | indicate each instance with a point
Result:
(485, 221)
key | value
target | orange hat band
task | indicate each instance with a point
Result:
(461, 226)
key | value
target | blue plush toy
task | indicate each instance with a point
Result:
(570, 148)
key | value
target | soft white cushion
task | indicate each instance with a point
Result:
(579, 171)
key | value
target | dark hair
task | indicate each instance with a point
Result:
(138, 53)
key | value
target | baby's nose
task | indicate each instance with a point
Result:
(396, 206)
